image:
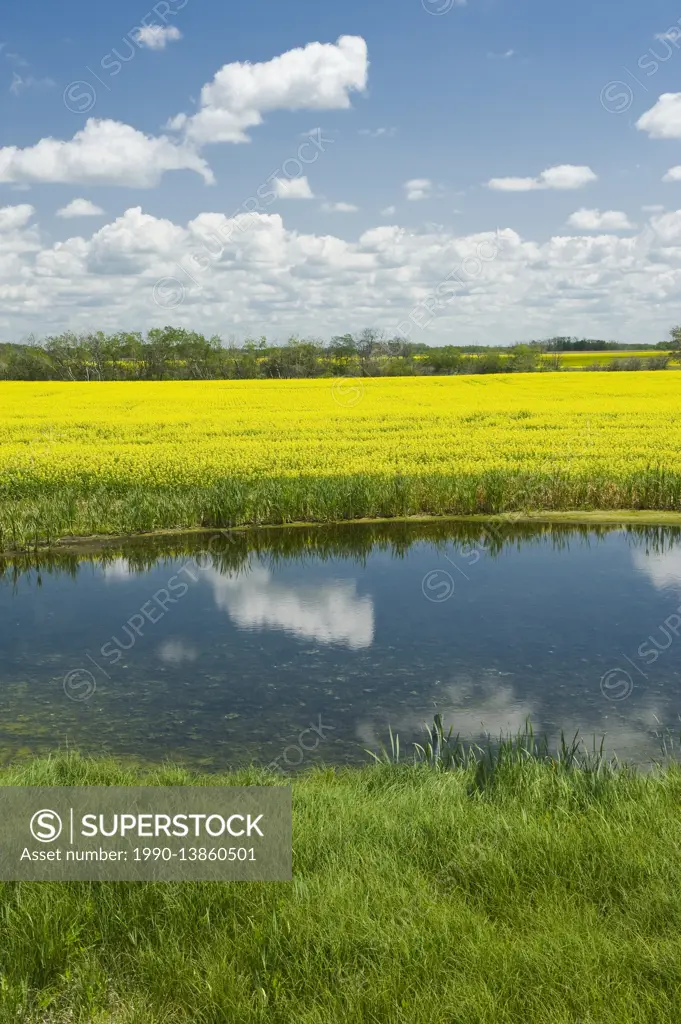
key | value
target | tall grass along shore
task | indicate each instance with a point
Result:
(113, 458)
(516, 888)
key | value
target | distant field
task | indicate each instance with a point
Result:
(78, 459)
(572, 360)
(576, 359)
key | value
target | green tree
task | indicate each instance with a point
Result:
(69, 354)
(675, 343)
(25, 362)
(444, 360)
(523, 359)
(343, 353)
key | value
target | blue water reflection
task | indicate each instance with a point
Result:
(216, 659)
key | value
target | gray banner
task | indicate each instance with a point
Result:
(145, 833)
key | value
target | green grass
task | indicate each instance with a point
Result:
(50, 514)
(534, 889)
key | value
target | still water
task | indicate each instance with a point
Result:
(304, 644)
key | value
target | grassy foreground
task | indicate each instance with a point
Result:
(78, 459)
(537, 893)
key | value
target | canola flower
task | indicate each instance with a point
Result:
(575, 360)
(80, 458)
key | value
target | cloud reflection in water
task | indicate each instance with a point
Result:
(330, 613)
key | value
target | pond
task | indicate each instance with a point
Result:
(304, 644)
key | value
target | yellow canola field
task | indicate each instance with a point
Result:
(579, 359)
(180, 433)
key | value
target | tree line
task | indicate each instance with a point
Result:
(173, 353)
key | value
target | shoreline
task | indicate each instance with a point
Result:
(100, 542)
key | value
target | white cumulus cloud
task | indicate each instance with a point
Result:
(156, 37)
(418, 188)
(293, 188)
(263, 276)
(79, 208)
(13, 217)
(562, 177)
(319, 76)
(104, 152)
(595, 220)
(663, 120)
(339, 208)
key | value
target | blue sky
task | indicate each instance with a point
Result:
(455, 98)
